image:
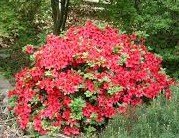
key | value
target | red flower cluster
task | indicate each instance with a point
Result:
(84, 78)
(29, 49)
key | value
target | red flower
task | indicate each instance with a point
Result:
(71, 131)
(38, 125)
(29, 49)
(122, 109)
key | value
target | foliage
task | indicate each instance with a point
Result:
(8, 20)
(27, 9)
(154, 17)
(80, 80)
(22, 32)
(160, 119)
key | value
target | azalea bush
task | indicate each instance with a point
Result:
(78, 81)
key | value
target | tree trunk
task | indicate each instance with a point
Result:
(65, 14)
(59, 15)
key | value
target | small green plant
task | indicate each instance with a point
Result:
(159, 119)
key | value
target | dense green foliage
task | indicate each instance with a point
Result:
(160, 119)
(8, 20)
(20, 25)
(158, 18)
(26, 8)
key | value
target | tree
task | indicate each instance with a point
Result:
(59, 15)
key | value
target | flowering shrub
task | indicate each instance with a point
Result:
(84, 78)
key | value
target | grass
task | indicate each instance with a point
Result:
(158, 120)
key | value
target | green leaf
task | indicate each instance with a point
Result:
(12, 101)
(32, 58)
(123, 59)
(115, 89)
(104, 79)
(88, 94)
(117, 49)
(94, 116)
(89, 131)
(76, 107)
(35, 99)
(89, 76)
(77, 116)
(48, 73)
(91, 64)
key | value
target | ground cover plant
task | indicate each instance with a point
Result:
(77, 82)
(159, 119)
